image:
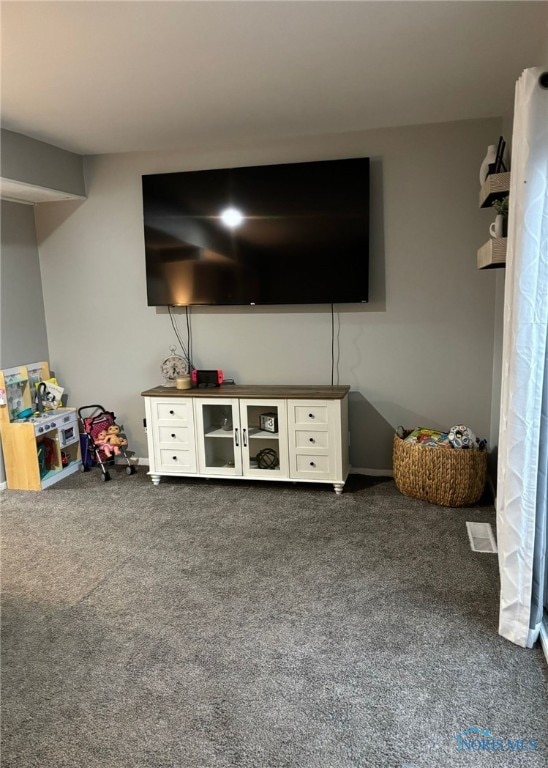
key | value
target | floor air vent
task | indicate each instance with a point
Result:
(481, 537)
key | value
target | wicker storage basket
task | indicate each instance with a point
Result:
(452, 478)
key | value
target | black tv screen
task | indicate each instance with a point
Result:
(296, 233)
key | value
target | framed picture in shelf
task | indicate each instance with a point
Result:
(499, 159)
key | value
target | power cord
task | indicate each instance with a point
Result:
(335, 345)
(189, 336)
(187, 348)
(332, 343)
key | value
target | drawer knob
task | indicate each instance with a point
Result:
(310, 415)
(311, 439)
(312, 464)
(173, 435)
(172, 413)
(175, 458)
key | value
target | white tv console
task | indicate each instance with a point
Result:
(217, 432)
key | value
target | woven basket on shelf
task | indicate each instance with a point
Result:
(446, 476)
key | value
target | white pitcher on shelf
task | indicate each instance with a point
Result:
(498, 226)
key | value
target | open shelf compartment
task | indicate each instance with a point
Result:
(493, 253)
(495, 187)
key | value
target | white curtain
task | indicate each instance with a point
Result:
(522, 475)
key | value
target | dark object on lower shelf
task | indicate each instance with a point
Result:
(446, 476)
(268, 459)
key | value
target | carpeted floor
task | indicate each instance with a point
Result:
(213, 624)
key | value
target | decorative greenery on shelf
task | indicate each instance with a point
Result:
(501, 206)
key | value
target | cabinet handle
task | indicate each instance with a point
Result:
(310, 415)
(175, 458)
(311, 439)
(245, 437)
(236, 437)
(173, 435)
(172, 413)
(312, 464)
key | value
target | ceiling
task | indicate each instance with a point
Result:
(98, 77)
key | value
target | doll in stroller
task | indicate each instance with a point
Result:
(101, 440)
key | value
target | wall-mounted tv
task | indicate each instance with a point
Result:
(295, 233)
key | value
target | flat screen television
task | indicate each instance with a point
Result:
(295, 233)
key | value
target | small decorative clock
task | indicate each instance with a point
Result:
(269, 422)
(173, 367)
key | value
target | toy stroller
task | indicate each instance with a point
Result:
(101, 440)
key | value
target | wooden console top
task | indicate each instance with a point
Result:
(282, 391)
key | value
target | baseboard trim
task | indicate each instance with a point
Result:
(371, 472)
(3, 486)
(133, 459)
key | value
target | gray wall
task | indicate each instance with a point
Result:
(35, 162)
(23, 328)
(421, 353)
(23, 336)
(543, 58)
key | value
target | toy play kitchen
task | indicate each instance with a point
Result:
(40, 440)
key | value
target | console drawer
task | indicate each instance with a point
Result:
(312, 465)
(177, 460)
(176, 437)
(313, 441)
(310, 414)
(169, 412)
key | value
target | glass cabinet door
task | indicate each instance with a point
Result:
(264, 438)
(219, 436)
